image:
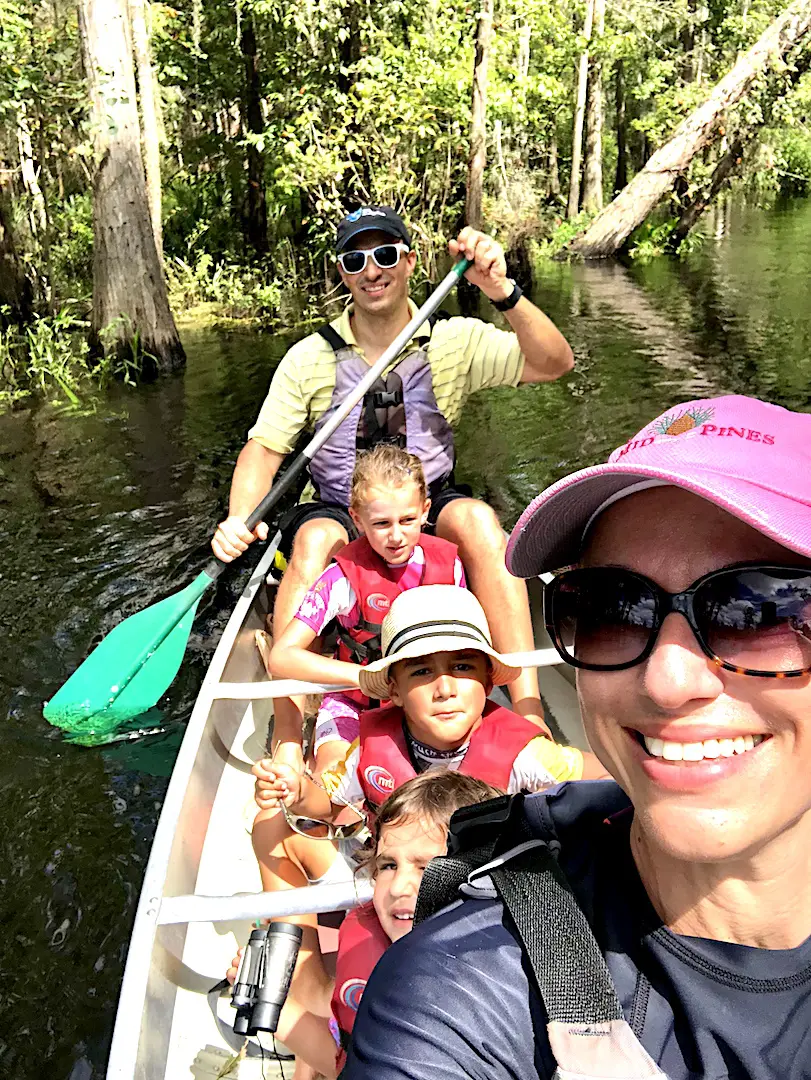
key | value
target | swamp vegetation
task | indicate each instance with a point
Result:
(158, 160)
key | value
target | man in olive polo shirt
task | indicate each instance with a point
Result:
(464, 354)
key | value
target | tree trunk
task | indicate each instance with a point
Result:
(15, 289)
(621, 175)
(630, 208)
(687, 40)
(150, 124)
(502, 167)
(524, 41)
(593, 168)
(731, 159)
(579, 115)
(29, 171)
(478, 117)
(131, 311)
(256, 214)
(554, 172)
(721, 173)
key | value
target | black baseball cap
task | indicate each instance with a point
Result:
(371, 219)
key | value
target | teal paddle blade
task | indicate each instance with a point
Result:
(129, 670)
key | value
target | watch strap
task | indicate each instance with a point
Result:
(509, 302)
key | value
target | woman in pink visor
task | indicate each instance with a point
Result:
(659, 926)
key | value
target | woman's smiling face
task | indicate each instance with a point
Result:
(716, 808)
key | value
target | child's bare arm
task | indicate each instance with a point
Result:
(291, 659)
(277, 783)
(593, 768)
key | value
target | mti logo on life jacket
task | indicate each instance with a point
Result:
(351, 992)
(378, 602)
(379, 779)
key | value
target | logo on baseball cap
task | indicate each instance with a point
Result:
(747, 456)
(371, 219)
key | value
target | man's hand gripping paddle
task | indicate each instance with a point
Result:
(137, 661)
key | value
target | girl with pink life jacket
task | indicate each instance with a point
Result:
(389, 506)
(411, 829)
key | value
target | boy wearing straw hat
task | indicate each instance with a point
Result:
(438, 665)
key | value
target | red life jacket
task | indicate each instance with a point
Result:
(375, 588)
(361, 943)
(385, 763)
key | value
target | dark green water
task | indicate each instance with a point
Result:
(102, 514)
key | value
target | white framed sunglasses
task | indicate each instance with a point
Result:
(385, 256)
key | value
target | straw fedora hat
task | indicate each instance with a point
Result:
(430, 619)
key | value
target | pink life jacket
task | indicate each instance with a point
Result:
(385, 763)
(361, 943)
(375, 589)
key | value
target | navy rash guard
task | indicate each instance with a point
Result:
(455, 998)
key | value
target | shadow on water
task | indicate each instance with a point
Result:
(103, 514)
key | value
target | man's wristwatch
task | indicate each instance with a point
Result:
(509, 302)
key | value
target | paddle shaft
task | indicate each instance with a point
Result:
(215, 566)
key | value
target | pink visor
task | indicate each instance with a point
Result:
(748, 457)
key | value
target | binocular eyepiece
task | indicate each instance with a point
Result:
(264, 977)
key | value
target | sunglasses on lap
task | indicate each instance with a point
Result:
(312, 827)
(385, 256)
(752, 618)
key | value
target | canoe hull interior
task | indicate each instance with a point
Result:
(164, 1028)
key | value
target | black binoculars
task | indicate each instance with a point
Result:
(264, 977)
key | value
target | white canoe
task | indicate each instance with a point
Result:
(201, 887)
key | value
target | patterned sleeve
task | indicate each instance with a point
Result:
(543, 762)
(330, 596)
(341, 781)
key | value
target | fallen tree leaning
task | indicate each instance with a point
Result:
(610, 229)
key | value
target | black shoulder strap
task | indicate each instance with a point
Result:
(332, 337)
(570, 971)
(473, 836)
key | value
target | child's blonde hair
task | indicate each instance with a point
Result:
(386, 466)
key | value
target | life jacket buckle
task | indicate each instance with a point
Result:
(386, 399)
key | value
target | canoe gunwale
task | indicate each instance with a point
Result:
(124, 1049)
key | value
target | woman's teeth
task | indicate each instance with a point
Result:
(404, 917)
(698, 751)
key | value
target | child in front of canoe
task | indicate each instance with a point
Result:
(411, 829)
(389, 505)
(437, 668)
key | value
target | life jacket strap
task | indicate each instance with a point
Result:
(363, 652)
(495, 839)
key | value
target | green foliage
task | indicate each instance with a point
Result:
(655, 238)
(49, 357)
(357, 103)
(72, 245)
(793, 161)
(237, 292)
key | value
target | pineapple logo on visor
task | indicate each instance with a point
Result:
(677, 423)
